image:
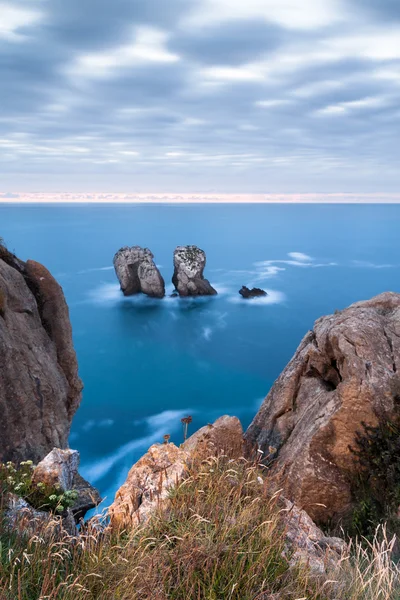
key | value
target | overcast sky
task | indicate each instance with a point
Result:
(200, 95)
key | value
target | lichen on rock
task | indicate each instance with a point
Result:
(188, 278)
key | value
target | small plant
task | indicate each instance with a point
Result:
(186, 422)
(18, 480)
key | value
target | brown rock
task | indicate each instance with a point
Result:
(55, 319)
(148, 482)
(225, 436)
(344, 373)
(39, 385)
(165, 466)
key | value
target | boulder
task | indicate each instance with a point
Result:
(40, 389)
(138, 273)
(22, 517)
(59, 470)
(165, 465)
(344, 374)
(225, 437)
(306, 545)
(188, 279)
(245, 292)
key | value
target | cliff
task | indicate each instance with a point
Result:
(343, 377)
(40, 389)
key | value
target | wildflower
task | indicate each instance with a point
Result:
(40, 485)
(186, 422)
(53, 498)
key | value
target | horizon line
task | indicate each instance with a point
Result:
(196, 198)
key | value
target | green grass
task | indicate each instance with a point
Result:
(219, 537)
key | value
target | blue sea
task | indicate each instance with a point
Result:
(147, 363)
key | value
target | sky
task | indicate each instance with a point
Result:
(226, 96)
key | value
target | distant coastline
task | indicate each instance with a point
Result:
(124, 198)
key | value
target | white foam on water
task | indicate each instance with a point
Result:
(207, 333)
(300, 256)
(159, 424)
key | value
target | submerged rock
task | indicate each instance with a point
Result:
(344, 374)
(164, 466)
(137, 272)
(188, 279)
(245, 292)
(40, 389)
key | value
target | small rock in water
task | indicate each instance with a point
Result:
(245, 292)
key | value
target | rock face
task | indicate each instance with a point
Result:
(137, 272)
(39, 385)
(188, 279)
(245, 292)
(165, 465)
(344, 373)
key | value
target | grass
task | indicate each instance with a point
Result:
(220, 537)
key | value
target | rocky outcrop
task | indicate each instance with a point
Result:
(59, 470)
(39, 385)
(137, 272)
(246, 292)
(188, 279)
(344, 373)
(165, 465)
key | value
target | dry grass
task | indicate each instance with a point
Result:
(220, 538)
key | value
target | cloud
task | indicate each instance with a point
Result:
(149, 46)
(286, 13)
(257, 96)
(15, 21)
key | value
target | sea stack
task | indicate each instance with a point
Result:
(137, 273)
(188, 279)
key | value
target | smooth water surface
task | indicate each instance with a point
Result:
(148, 363)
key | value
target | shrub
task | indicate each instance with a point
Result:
(377, 488)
